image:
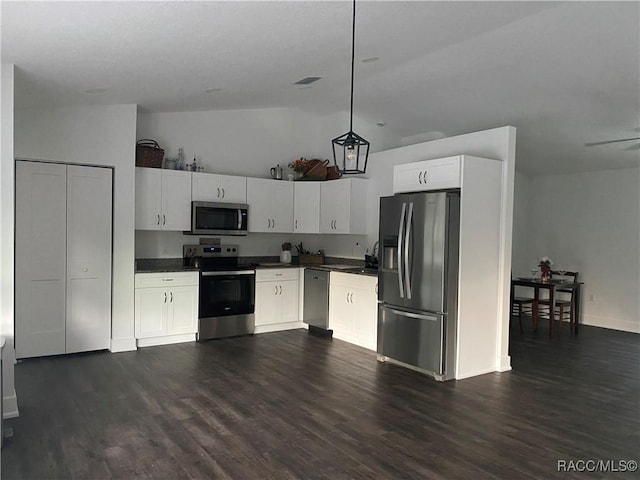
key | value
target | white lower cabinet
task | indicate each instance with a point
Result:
(353, 308)
(277, 299)
(166, 307)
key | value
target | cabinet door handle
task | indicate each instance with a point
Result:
(165, 297)
(274, 222)
(347, 297)
(424, 176)
(218, 192)
(223, 193)
(171, 301)
(295, 225)
(268, 223)
(280, 289)
(376, 288)
(351, 298)
(164, 220)
(158, 220)
(275, 287)
(420, 177)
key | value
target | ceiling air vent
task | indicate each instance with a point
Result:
(307, 81)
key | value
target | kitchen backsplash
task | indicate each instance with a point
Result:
(156, 244)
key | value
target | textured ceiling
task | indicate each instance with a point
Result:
(563, 73)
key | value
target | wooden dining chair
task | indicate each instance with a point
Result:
(565, 307)
(521, 305)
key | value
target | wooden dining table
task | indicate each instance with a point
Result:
(551, 285)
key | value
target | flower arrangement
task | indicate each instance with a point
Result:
(545, 267)
(286, 246)
(299, 165)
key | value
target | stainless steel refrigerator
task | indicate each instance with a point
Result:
(418, 278)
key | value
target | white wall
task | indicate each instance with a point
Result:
(521, 262)
(238, 142)
(499, 144)
(7, 175)
(99, 135)
(590, 222)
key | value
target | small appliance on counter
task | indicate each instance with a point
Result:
(227, 291)
(371, 260)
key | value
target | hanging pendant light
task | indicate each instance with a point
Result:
(351, 151)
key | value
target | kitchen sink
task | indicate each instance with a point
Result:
(340, 267)
(350, 269)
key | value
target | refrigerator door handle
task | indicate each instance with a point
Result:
(432, 318)
(407, 271)
(399, 260)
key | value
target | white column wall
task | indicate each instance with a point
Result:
(7, 175)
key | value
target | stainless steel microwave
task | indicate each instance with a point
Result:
(212, 218)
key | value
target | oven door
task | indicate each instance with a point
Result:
(225, 294)
(208, 218)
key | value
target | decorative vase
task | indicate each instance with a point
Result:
(285, 256)
(545, 275)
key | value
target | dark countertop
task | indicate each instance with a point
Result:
(160, 265)
(357, 270)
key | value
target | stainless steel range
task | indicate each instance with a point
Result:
(227, 291)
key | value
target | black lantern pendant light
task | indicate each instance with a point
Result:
(351, 151)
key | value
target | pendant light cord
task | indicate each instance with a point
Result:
(353, 50)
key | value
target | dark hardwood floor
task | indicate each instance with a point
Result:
(288, 405)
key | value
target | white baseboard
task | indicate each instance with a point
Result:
(168, 340)
(612, 323)
(277, 327)
(475, 373)
(503, 363)
(127, 344)
(10, 406)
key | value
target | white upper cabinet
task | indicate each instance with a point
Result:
(427, 175)
(270, 205)
(163, 199)
(211, 187)
(306, 207)
(343, 206)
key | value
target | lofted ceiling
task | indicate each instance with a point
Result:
(563, 73)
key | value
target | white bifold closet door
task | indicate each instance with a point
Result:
(88, 325)
(63, 258)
